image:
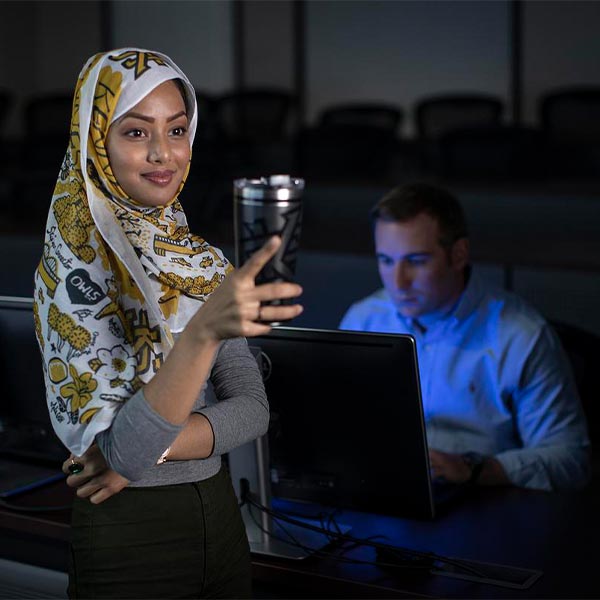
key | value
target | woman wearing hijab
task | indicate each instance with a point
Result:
(136, 317)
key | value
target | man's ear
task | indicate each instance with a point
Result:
(460, 254)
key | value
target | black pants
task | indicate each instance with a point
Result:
(175, 541)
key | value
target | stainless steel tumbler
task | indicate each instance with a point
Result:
(264, 207)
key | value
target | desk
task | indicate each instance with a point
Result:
(554, 533)
(39, 538)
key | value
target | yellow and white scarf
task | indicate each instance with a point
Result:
(116, 279)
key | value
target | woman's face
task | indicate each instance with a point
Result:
(149, 148)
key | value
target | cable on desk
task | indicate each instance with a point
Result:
(416, 559)
(324, 554)
(317, 551)
(329, 515)
(325, 525)
(326, 531)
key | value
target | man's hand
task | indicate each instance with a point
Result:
(96, 482)
(455, 469)
(449, 467)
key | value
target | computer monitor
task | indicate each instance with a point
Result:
(347, 427)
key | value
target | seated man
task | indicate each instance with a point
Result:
(499, 399)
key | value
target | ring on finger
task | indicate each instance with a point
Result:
(75, 467)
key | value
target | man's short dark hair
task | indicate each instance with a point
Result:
(405, 202)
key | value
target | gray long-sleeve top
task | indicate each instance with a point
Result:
(139, 435)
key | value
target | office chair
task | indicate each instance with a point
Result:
(570, 122)
(6, 104)
(376, 115)
(9, 154)
(351, 140)
(583, 350)
(500, 152)
(205, 165)
(206, 116)
(253, 131)
(252, 137)
(437, 116)
(47, 121)
(254, 115)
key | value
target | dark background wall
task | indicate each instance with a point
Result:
(540, 234)
(396, 51)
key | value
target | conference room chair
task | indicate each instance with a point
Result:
(491, 154)
(253, 136)
(204, 158)
(6, 155)
(197, 195)
(253, 128)
(46, 120)
(205, 102)
(583, 350)
(377, 115)
(440, 115)
(570, 122)
(351, 140)
(7, 100)
(254, 115)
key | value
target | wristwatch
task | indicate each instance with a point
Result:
(475, 462)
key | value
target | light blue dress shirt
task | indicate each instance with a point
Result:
(495, 380)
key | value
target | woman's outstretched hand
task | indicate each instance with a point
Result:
(235, 308)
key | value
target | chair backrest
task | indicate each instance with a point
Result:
(503, 152)
(259, 114)
(206, 117)
(583, 350)
(571, 115)
(6, 103)
(439, 115)
(47, 131)
(49, 115)
(374, 115)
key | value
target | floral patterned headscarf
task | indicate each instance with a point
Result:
(116, 279)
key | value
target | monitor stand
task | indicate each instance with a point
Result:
(272, 537)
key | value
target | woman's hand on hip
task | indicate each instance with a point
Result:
(236, 307)
(96, 481)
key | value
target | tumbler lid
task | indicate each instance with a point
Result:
(271, 187)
